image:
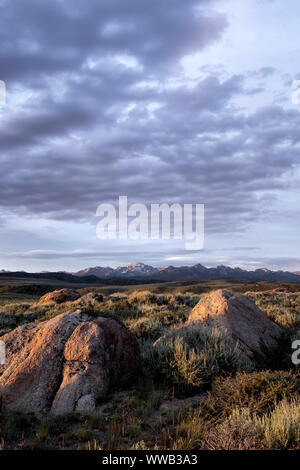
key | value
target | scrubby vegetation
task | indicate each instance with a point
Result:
(189, 358)
(194, 390)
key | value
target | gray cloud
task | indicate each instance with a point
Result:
(44, 39)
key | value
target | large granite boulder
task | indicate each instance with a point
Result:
(255, 333)
(65, 364)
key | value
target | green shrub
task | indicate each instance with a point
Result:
(16, 423)
(192, 357)
(147, 328)
(258, 391)
(240, 431)
(83, 435)
(148, 400)
(141, 297)
(42, 435)
(155, 360)
(282, 308)
(165, 314)
(189, 432)
(60, 424)
(281, 429)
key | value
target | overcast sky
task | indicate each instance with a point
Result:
(162, 101)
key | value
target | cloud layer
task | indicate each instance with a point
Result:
(101, 105)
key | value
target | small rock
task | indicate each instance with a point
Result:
(92, 298)
(59, 296)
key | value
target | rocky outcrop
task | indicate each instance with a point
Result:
(65, 364)
(254, 332)
(59, 296)
(92, 298)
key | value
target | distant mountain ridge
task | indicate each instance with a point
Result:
(198, 272)
(138, 273)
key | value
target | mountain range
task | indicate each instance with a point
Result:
(198, 272)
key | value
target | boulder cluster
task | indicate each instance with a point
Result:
(65, 364)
